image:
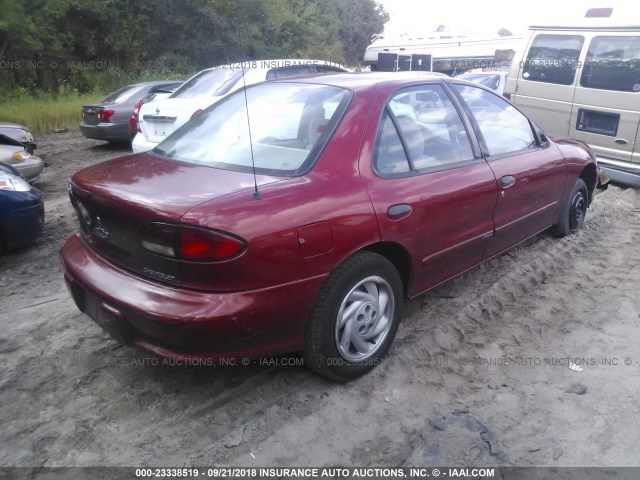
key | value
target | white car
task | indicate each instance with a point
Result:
(158, 119)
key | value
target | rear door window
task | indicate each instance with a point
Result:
(553, 59)
(613, 63)
(389, 158)
(420, 130)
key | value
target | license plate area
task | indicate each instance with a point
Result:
(158, 127)
(109, 318)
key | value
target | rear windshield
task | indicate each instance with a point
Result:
(289, 122)
(122, 95)
(209, 83)
(491, 81)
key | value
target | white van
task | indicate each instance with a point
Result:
(583, 81)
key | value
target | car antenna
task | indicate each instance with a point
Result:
(256, 193)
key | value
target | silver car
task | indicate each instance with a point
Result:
(109, 119)
(20, 133)
(15, 153)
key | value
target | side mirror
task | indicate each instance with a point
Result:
(544, 141)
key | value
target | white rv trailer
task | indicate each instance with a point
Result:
(448, 53)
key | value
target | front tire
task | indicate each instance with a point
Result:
(573, 212)
(354, 318)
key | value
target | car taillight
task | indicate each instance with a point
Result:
(105, 114)
(197, 112)
(134, 126)
(204, 245)
(507, 96)
(189, 243)
(159, 238)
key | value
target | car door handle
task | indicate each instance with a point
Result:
(621, 141)
(398, 211)
(507, 181)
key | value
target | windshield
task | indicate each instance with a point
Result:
(122, 95)
(491, 81)
(290, 124)
(209, 83)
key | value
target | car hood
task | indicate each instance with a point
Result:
(16, 126)
(160, 188)
(6, 140)
(570, 141)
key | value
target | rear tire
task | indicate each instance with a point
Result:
(354, 318)
(573, 212)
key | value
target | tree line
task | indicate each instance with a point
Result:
(89, 45)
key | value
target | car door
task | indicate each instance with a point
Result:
(530, 174)
(606, 105)
(431, 190)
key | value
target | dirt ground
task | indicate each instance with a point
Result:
(478, 375)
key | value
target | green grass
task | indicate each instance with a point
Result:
(45, 113)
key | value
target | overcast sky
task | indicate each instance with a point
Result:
(409, 16)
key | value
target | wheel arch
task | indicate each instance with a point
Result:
(399, 257)
(589, 176)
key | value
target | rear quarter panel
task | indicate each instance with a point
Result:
(331, 192)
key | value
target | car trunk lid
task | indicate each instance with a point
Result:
(116, 199)
(159, 119)
(91, 114)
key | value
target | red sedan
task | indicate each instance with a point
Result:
(299, 217)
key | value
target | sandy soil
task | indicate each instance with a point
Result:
(478, 374)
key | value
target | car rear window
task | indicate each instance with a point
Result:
(292, 71)
(122, 95)
(209, 83)
(281, 129)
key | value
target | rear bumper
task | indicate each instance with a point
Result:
(141, 144)
(185, 324)
(114, 132)
(624, 173)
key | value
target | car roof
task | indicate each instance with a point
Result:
(155, 82)
(12, 125)
(356, 81)
(268, 64)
